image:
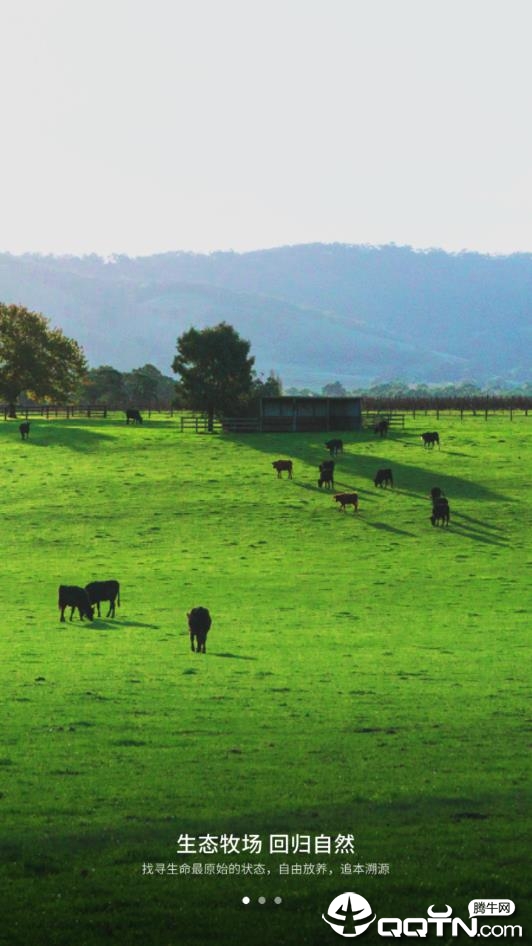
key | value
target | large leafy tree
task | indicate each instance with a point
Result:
(105, 385)
(148, 387)
(35, 358)
(215, 370)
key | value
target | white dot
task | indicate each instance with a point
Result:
(245, 900)
(262, 899)
(277, 899)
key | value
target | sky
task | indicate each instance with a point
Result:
(149, 126)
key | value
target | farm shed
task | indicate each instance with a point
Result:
(279, 414)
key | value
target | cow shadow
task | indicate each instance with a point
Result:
(475, 535)
(384, 527)
(108, 625)
(304, 448)
(477, 522)
(232, 656)
(78, 439)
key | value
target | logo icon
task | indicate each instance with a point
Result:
(349, 914)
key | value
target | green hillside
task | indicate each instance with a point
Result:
(365, 675)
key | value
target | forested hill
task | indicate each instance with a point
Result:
(313, 313)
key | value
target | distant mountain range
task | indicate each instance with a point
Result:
(314, 313)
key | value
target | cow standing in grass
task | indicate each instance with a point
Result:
(281, 465)
(335, 446)
(430, 437)
(345, 500)
(104, 591)
(72, 596)
(199, 624)
(381, 427)
(134, 416)
(24, 429)
(383, 478)
(440, 512)
(326, 474)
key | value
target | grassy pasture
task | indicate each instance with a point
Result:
(365, 674)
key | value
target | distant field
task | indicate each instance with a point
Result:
(366, 674)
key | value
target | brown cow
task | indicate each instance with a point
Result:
(346, 499)
(281, 465)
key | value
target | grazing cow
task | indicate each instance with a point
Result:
(199, 622)
(281, 465)
(104, 591)
(346, 499)
(335, 446)
(430, 437)
(440, 512)
(381, 427)
(24, 429)
(436, 493)
(72, 596)
(383, 478)
(135, 416)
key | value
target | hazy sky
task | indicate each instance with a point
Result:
(142, 126)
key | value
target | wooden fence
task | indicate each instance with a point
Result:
(396, 411)
(370, 418)
(54, 410)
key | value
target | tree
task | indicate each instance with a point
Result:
(35, 358)
(148, 387)
(215, 370)
(105, 385)
(335, 389)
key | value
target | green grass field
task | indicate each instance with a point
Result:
(365, 674)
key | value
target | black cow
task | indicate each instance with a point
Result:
(326, 473)
(281, 465)
(440, 512)
(335, 446)
(24, 429)
(104, 591)
(381, 427)
(199, 623)
(436, 493)
(383, 478)
(72, 596)
(326, 477)
(135, 416)
(430, 437)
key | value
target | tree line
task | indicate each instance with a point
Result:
(214, 372)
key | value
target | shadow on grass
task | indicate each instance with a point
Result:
(75, 438)
(384, 527)
(101, 624)
(232, 656)
(484, 537)
(362, 466)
